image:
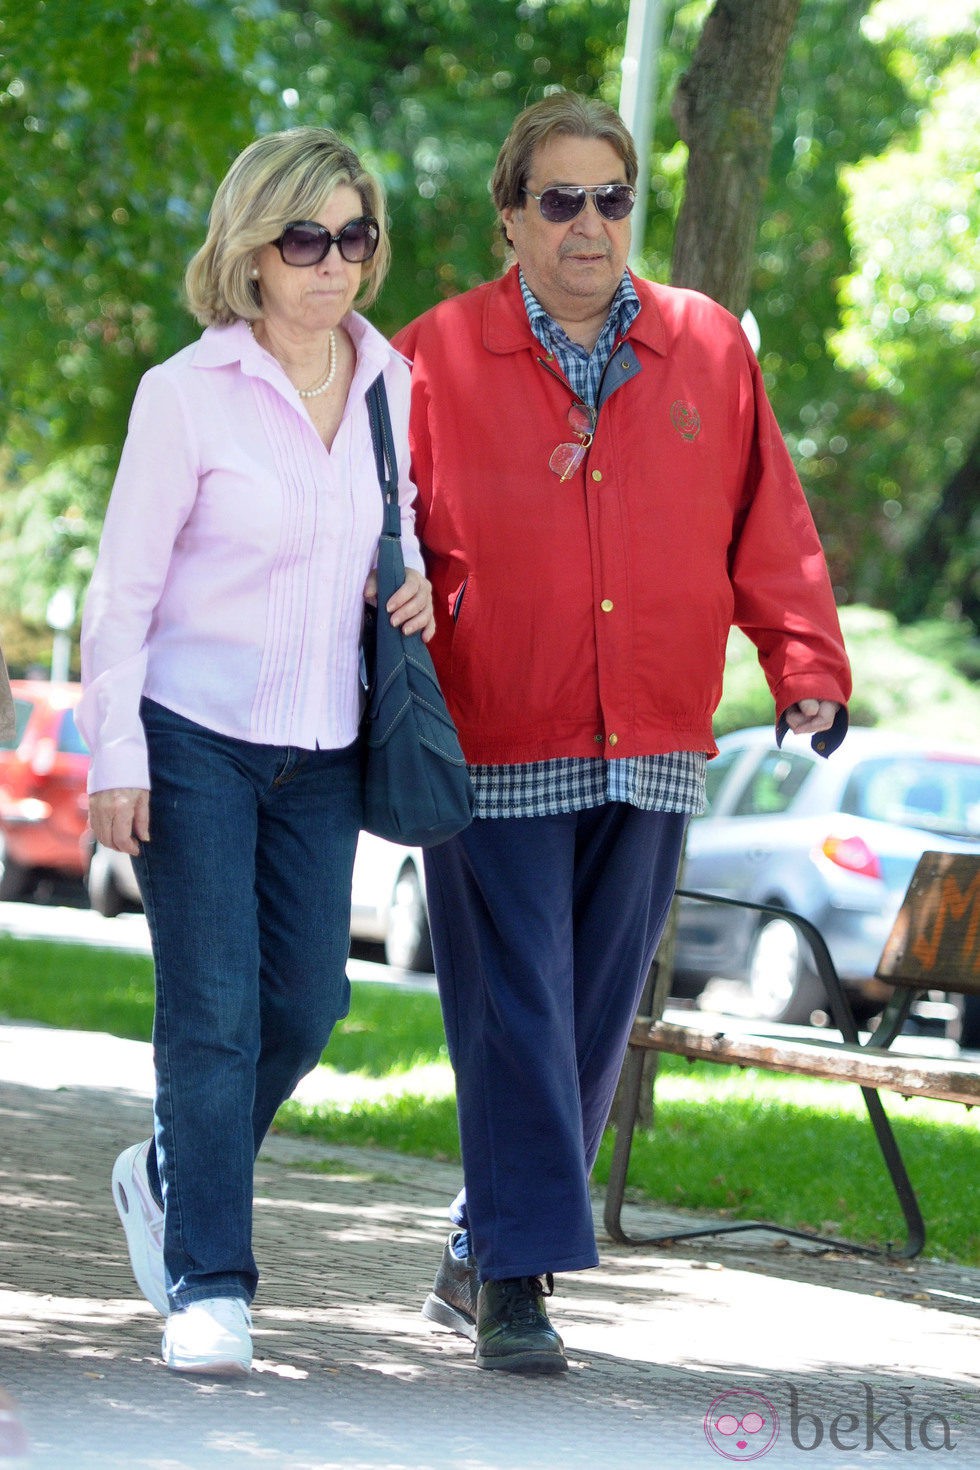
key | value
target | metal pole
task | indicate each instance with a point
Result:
(61, 616)
(637, 97)
(60, 657)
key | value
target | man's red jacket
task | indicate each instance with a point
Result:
(592, 616)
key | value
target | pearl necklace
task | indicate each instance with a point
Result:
(331, 368)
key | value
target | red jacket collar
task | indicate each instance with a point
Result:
(506, 327)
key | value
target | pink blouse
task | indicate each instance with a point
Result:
(229, 582)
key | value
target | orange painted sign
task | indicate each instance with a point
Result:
(935, 940)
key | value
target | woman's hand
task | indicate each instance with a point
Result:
(120, 818)
(410, 608)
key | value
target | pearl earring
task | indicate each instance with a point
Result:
(254, 272)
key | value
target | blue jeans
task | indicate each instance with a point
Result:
(246, 883)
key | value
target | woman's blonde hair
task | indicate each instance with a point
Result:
(277, 179)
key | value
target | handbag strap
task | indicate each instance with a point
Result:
(384, 455)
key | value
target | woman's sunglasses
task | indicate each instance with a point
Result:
(562, 202)
(306, 243)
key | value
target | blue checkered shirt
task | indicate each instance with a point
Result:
(654, 783)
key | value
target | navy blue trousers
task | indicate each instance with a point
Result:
(543, 930)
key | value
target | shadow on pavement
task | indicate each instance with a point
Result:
(347, 1374)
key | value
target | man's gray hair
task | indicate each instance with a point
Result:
(565, 114)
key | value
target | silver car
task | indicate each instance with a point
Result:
(836, 840)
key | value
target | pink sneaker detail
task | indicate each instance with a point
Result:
(142, 1220)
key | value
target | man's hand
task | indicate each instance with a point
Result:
(120, 818)
(811, 716)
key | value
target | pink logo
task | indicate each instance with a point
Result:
(685, 419)
(741, 1425)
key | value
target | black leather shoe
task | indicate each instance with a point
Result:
(452, 1301)
(512, 1328)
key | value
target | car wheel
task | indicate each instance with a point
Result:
(782, 985)
(15, 878)
(104, 893)
(407, 943)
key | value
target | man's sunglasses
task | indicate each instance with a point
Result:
(562, 202)
(566, 458)
(306, 243)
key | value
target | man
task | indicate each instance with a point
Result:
(603, 491)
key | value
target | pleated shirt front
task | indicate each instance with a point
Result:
(229, 583)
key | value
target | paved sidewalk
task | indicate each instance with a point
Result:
(865, 1365)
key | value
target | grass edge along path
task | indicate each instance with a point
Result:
(743, 1144)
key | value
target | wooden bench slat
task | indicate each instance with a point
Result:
(937, 1077)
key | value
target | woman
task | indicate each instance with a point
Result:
(220, 657)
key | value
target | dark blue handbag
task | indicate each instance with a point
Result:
(416, 786)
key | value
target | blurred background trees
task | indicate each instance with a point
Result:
(114, 133)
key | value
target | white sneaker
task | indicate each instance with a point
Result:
(210, 1336)
(142, 1220)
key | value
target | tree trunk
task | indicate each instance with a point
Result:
(723, 109)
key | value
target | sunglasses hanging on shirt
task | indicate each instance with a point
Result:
(566, 458)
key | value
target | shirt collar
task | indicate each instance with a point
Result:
(220, 346)
(623, 311)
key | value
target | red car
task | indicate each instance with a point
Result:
(43, 803)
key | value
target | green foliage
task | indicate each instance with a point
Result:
(410, 1123)
(387, 1033)
(76, 987)
(953, 644)
(905, 679)
(427, 91)
(126, 125)
(53, 525)
(914, 223)
(118, 130)
(911, 305)
(860, 89)
(838, 103)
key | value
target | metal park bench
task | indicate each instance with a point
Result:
(934, 944)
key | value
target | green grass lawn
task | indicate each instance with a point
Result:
(744, 1143)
